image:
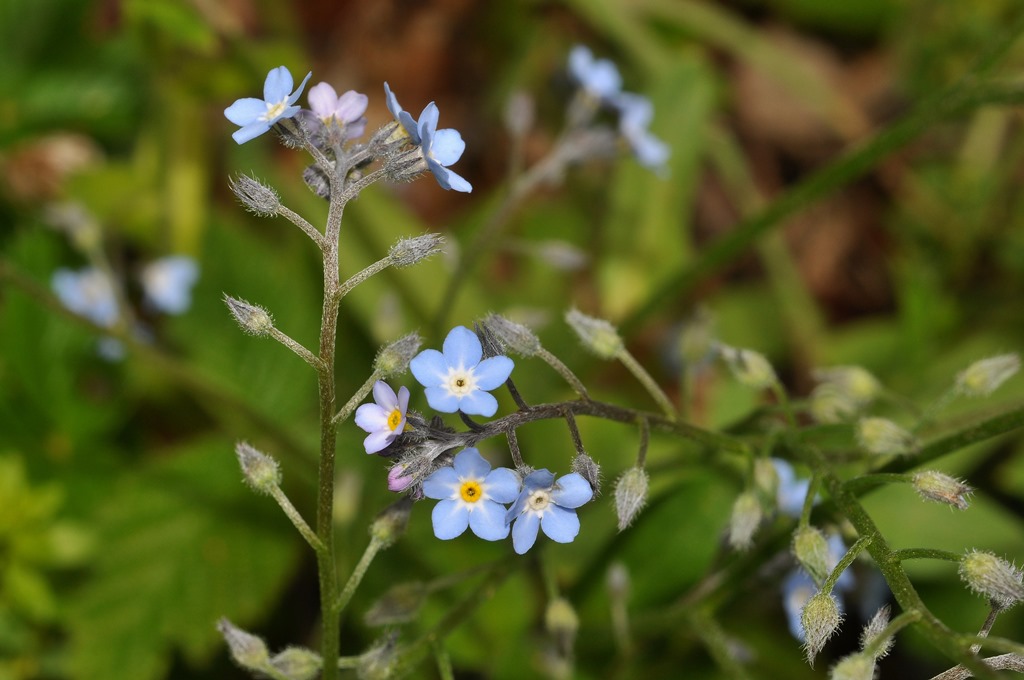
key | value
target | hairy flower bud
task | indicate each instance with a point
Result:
(617, 580)
(519, 113)
(562, 623)
(257, 198)
(261, 472)
(390, 524)
(853, 382)
(252, 319)
(871, 637)
(317, 181)
(409, 251)
(297, 663)
(933, 485)
(750, 368)
(983, 377)
(829, 404)
(854, 667)
(630, 495)
(247, 650)
(766, 480)
(992, 577)
(512, 335)
(820, 619)
(585, 467)
(597, 335)
(395, 358)
(380, 660)
(746, 518)
(811, 550)
(398, 605)
(696, 342)
(884, 437)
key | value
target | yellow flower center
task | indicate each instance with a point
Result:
(275, 110)
(395, 419)
(471, 491)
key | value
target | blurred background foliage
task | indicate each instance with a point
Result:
(124, 529)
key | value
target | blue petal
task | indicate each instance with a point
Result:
(392, 101)
(371, 417)
(502, 485)
(278, 85)
(384, 396)
(493, 372)
(560, 525)
(429, 367)
(469, 464)
(450, 519)
(428, 121)
(298, 91)
(517, 508)
(538, 479)
(440, 399)
(572, 491)
(440, 173)
(796, 590)
(524, 532)
(250, 131)
(245, 111)
(409, 123)
(462, 348)
(378, 441)
(441, 484)
(487, 520)
(476, 403)
(457, 182)
(446, 146)
(403, 399)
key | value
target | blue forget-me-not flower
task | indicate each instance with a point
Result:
(792, 491)
(328, 110)
(635, 114)
(598, 77)
(167, 283)
(544, 504)
(385, 419)
(89, 293)
(456, 379)
(471, 495)
(256, 116)
(441, 148)
(403, 117)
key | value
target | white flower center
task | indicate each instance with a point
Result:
(460, 381)
(539, 500)
(275, 110)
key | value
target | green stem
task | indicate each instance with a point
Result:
(927, 554)
(356, 578)
(895, 626)
(717, 643)
(564, 371)
(859, 485)
(314, 541)
(357, 398)
(851, 554)
(645, 379)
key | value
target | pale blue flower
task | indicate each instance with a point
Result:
(456, 379)
(792, 491)
(599, 77)
(635, 115)
(167, 283)
(256, 116)
(403, 117)
(545, 504)
(385, 419)
(471, 495)
(329, 110)
(441, 148)
(89, 293)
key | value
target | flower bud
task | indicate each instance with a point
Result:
(853, 382)
(933, 485)
(512, 335)
(696, 342)
(398, 605)
(884, 437)
(746, 517)
(992, 577)
(597, 335)
(519, 113)
(397, 479)
(983, 377)
(379, 662)
(560, 255)
(405, 166)
(617, 581)
(630, 495)
(811, 550)
(409, 251)
(871, 635)
(820, 619)
(766, 480)
(317, 181)
(261, 472)
(829, 404)
(252, 319)
(247, 650)
(585, 467)
(390, 524)
(750, 368)
(853, 667)
(562, 623)
(257, 198)
(297, 663)
(395, 358)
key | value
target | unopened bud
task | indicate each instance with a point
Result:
(398, 605)
(261, 472)
(395, 358)
(811, 550)
(252, 319)
(405, 166)
(379, 662)
(317, 181)
(297, 663)
(855, 383)
(766, 480)
(746, 518)
(519, 113)
(871, 640)
(933, 485)
(992, 577)
(512, 335)
(820, 619)
(247, 650)
(561, 255)
(617, 580)
(390, 524)
(884, 437)
(982, 378)
(696, 341)
(562, 623)
(829, 404)
(585, 467)
(409, 251)
(630, 495)
(597, 335)
(854, 667)
(750, 368)
(257, 198)
(397, 479)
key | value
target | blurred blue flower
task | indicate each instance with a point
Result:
(256, 116)
(441, 148)
(88, 292)
(329, 110)
(544, 504)
(456, 379)
(635, 115)
(792, 491)
(385, 419)
(598, 77)
(471, 495)
(167, 283)
(403, 117)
